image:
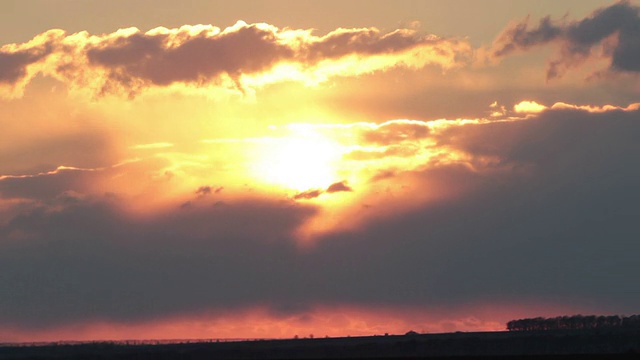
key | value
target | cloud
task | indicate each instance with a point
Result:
(192, 56)
(152, 146)
(567, 197)
(532, 107)
(243, 55)
(36, 143)
(17, 61)
(307, 195)
(260, 323)
(203, 191)
(339, 187)
(207, 190)
(520, 37)
(551, 220)
(88, 256)
(528, 107)
(145, 178)
(14, 64)
(47, 185)
(616, 28)
(395, 131)
(596, 109)
(497, 110)
(401, 150)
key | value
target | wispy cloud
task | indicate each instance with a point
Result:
(158, 145)
(615, 28)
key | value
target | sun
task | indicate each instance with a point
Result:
(302, 160)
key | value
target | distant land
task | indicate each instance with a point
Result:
(608, 343)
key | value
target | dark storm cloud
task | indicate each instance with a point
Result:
(578, 38)
(555, 220)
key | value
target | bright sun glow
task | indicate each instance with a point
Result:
(301, 161)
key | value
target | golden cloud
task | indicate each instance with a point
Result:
(239, 57)
(528, 107)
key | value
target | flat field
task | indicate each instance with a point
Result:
(565, 344)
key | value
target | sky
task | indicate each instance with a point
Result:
(207, 169)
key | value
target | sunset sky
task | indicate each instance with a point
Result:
(265, 169)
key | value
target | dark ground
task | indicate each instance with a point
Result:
(541, 345)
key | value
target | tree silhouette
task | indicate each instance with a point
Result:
(574, 322)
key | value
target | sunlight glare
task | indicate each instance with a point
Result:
(301, 161)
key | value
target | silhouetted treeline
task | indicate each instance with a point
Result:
(574, 322)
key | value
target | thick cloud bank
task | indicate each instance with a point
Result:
(553, 218)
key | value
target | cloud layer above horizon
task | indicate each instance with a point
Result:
(347, 182)
(541, 208)
(129, 60)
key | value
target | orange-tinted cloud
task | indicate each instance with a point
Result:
(596, 109)
(113, 217)
(152, 146)
(128, 61)
(19, 63)
(306, 195)
(528, 107)
(314, 193)
(318, 322)
(339, 187)
(532, 107)
(531, 190)
(395, 131)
